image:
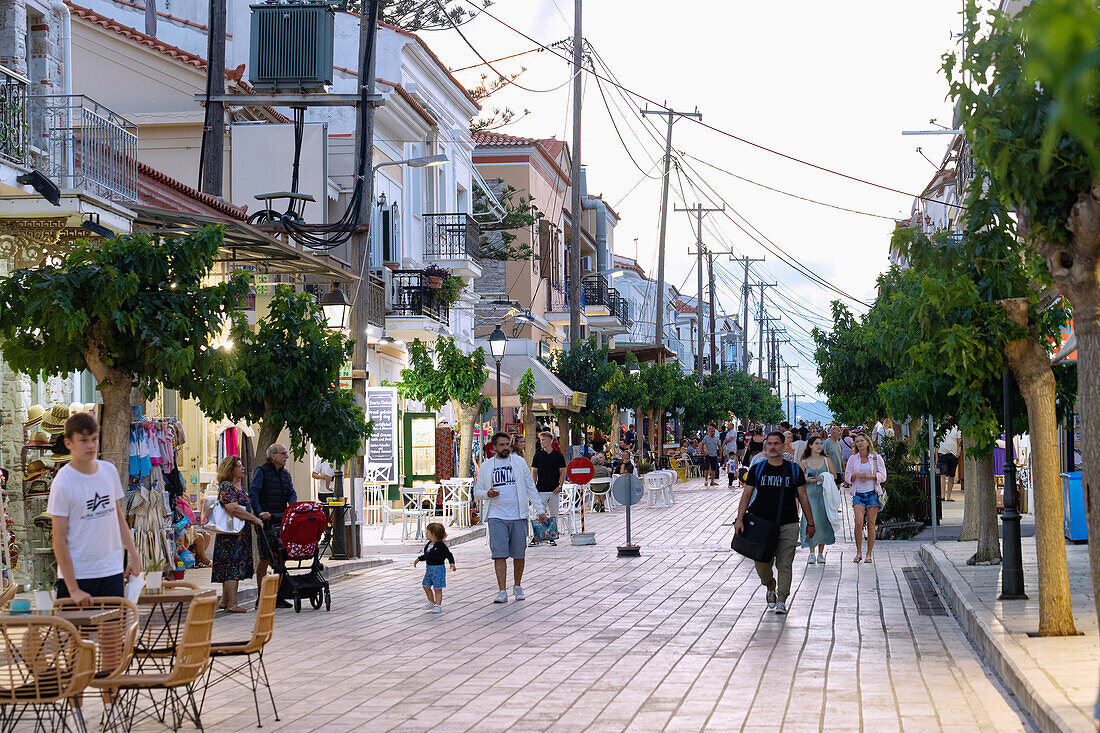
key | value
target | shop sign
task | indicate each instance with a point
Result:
(380, 456)
(346, 375)
(514, 428)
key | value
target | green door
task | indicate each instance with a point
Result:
(418, 432)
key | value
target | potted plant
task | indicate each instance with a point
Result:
(451, 288)
(154, 574)
(644, 467)
(436, 275)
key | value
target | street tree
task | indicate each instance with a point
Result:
(289, 370)
(133, 311)
(850, 369)
(442, 373)
(981, 297)
(1026, 89)
(585, 368)
(520, 214)
(525, 390)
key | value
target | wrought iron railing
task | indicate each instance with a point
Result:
(451, 237)
(376, 301)
(411, 296)
(618, 306)
(596, 291)
(13, 116)
(88, 146)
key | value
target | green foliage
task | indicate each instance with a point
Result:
(418, 15)
(585, 368)
(291, 370)
(452, 286)
(525, 390)
(520, 213)
(901, 481)
(850, 368)
(1014, 87)
(644, 467)
(136, 305)
(442, 372)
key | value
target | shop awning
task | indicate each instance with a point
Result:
(245, 244)
(548, 388)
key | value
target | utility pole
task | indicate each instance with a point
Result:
(794, 412)
(700, 212)
(672, 115)
(762, 319)
(745, 302)
(789, 367)
(213, 129)
(575, 182)
(710, 277)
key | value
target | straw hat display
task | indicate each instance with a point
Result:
(34, 415)
(39, 439)
(54, 420)
(35, 469)
(60, 459)
(38, 487)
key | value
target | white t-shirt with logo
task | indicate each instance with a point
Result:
(88, 501)
(502, 472)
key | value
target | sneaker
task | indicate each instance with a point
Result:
(534, 543)
(772, 598)
(780, 609)
(812, 560)
(437, 609)
(428, 606)
(821, 559)
(518, 593)
(553, 543)
(502, 597)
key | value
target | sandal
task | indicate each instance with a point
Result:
(859, 558)
(868, 559)
(236, 609)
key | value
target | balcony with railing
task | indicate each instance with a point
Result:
(13, 117)
(453, 241)
(557, 302)
(603, 305)
(88, 146)
(376, 301)
(416, 309)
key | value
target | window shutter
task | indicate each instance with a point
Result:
(546, 263)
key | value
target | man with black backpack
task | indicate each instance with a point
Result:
(778, 486)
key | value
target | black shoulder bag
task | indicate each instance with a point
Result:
(760, 536)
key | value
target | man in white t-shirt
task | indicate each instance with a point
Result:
(947, 461)
(89, 527)
(505, 481)
(324, 472)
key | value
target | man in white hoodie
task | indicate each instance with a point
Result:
(505, 481)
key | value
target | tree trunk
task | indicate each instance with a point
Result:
(638, 415)
(1030, 363)
(989, 546)
(1075, 270)
(564, 439)
(267, 437)
(114, 385)
(467, 418)
(529, 429)
(969, 531)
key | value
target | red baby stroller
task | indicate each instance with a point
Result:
(304, 536)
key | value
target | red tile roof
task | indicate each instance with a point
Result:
(550, 145)
(161, 191)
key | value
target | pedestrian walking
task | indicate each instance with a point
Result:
(846, 447)
(434, 557)
(947, 461)
(729, 451)
(780, 487)
(233, 552)
(506, 483)
(865, 473)
(755, 444)
(833, 449)
(89, 526)
(788, 446)
(323, 472)
(270, 493)
(519, 445)
(815, 464)
(710, 456)
(549, 471)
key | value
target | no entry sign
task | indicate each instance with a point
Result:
(579, 470)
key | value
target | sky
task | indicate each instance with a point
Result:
(830, 83)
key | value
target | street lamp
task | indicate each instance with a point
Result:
(423, 161)
(497, 344)
(337, 309)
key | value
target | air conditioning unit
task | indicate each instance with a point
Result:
(586, 264)
(291, 46)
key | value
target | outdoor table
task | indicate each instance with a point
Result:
(83, 617)
(160, 620)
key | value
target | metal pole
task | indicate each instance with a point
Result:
(710, 278)
(575, 203)
(339, 546)
(933, 495)
(500, 424)
(1012, 569)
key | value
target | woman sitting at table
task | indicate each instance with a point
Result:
(233, 552)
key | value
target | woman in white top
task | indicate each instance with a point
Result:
(865, 473)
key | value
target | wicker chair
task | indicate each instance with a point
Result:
(225, 656)
(44, 664)
(8, 594)
(190, 662)
(113, 637)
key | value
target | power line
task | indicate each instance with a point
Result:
(699, 122)
(502, 58)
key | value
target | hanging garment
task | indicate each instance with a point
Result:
(232, 442)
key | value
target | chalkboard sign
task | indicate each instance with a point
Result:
(380, 460)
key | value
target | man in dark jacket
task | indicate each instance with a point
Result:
(270, 493)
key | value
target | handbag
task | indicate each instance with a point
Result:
(545, 531)
(760, 536)
(222, 522)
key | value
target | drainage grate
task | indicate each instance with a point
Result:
(925, 596)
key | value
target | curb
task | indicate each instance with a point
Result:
(992, 640)
(330, 572)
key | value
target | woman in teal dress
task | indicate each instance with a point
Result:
(815, 464)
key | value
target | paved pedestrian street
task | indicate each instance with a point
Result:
(678, 639)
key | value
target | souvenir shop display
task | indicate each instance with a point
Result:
(152, 491)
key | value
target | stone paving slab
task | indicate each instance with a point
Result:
(1055, 678)
(678, 639)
